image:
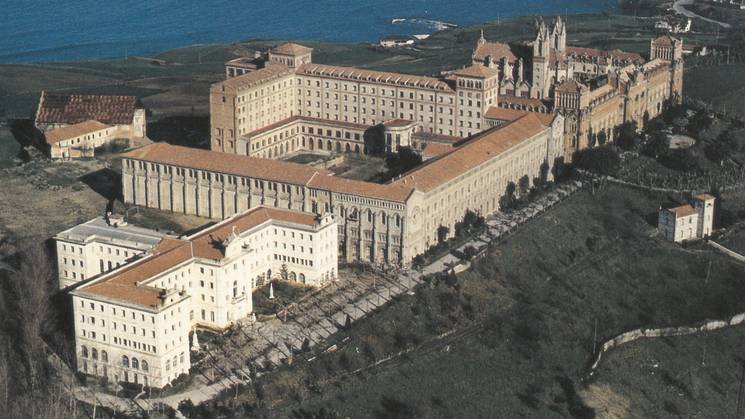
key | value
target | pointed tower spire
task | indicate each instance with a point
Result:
(481, 40)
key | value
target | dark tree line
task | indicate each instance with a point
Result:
(28, 329)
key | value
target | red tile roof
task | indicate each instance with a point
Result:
(259, 76)
(127, 283)
(597, 53)
(571, 86)
(473, 152)
(372, 76)
(72, 109)
(495, 50)
(503, 114)
(435, 150)
(683, 211)
(264, 169)
(72, 131)
(291, 49)
(477, 70)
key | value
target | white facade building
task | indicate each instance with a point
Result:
(144, 310)
(688, 222)
(99, 246)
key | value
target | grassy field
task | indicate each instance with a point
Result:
(721, 86)
(516, 332)
(692, 376)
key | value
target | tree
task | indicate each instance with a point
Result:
(722, 148)
(508, 200)
(602, 137)
(442, 234)
(374, 139)
(32, 289)
(600, 160)
(403, 161)
(283, 272)
(657, 146)
(681, 159)
(469, 252)
(543, 177)
(524, 185)
(626, 135)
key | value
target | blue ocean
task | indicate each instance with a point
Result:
(57, 30)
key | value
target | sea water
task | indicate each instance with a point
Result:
(58, 30)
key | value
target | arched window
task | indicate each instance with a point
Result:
(125, 361)
(84, 350)
(293, 276)
(302, 278)
(104, 356)
(347, 148)
(145, 367)
(269, 274)
(94, 353)
(320, 144)
(135, 363)
(235, 289)
(328, 145)
(357, 149)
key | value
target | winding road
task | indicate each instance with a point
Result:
(679, 7)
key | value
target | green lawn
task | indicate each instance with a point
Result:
(721, 86)
(691, 376)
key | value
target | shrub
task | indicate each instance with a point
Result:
(600, 160)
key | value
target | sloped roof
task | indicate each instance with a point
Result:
(72, 109)
(258, 168)
(128, 283)
(72, 131)
(251, 78)
(503, 114)
(477, 70)
(291, 48)
(598, 53)
(124, 284)
(206, 243)
(435, 150)
(571, 86)
(372, 76)
(495, 50)
(665, 40)
(473, 152)
(683, 211)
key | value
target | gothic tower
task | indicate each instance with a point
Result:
(541, 58)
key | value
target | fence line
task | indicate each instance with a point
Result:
(637, 334)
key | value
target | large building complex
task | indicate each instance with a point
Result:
(500, 120)
(276, 110)
(132, 323)
(379, 223)
(595, 90)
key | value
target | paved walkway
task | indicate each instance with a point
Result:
(502, 224)
(252, 347)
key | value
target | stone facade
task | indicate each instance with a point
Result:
(383, 224)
